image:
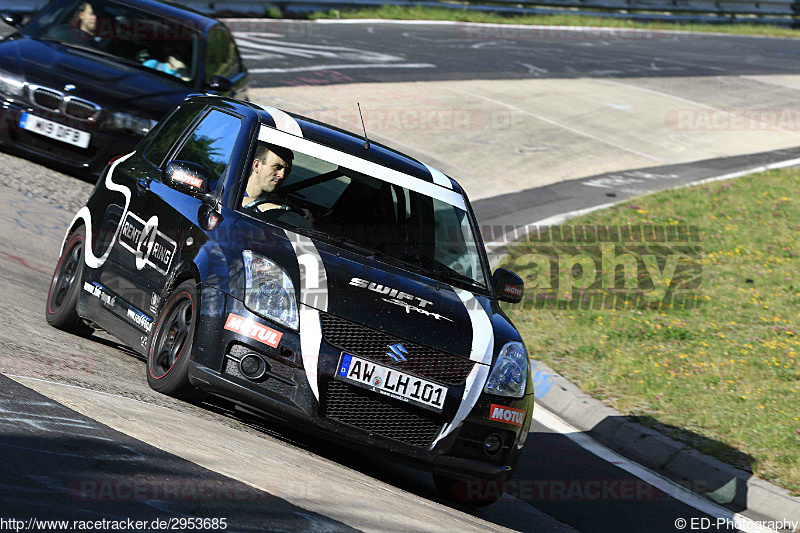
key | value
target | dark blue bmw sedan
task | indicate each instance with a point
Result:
(84, 81)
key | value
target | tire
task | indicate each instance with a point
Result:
(170, 350)
(65, 287)
(470, 492)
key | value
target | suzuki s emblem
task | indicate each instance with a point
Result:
(69, 87)
(397, 352)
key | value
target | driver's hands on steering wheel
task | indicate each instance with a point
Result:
(274, 201)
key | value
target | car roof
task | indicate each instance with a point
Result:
(343, 141)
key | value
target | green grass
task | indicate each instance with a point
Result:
(727, 373)
(432, 13)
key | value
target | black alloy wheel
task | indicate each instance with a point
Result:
(170, 351)
(62, 299)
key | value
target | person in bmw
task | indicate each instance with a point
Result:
(122, 66)
(375, 322)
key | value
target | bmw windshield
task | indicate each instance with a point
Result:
(133, 36)
(373, 210)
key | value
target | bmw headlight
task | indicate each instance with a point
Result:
(510, 371)
(11, 84)
(269, 291)
(118, 120)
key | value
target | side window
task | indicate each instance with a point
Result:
(171, 131)
(212, 141)
(222, 57)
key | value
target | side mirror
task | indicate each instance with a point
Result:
(11, 18)
(220, 84)
(508, 286)
(188, 177)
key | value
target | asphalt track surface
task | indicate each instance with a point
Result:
(299, 53)
(50, 449)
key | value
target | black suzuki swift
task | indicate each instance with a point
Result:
(353, 298)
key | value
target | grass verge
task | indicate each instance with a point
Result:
(725, 376)
(433, 13)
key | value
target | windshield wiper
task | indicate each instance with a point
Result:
(445, 273)
(339, 241)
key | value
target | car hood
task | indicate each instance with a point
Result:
(396, 301)
(108, 83)
(371, 293)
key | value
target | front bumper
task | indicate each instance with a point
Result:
(91, 160)
(348, 414)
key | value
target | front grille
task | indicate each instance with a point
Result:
(80, 109)
(47, 98)
(380, 416)
(372, 344)
(69, 105)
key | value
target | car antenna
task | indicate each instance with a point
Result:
(366, 140)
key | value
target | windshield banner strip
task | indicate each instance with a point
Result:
(439, 178)
(284, 121)
(269, 135)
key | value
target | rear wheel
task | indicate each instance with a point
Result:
(171, 346)
(471, 492)
(65, 288)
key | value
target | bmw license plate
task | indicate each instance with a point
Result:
(54, 130)
(391, 382)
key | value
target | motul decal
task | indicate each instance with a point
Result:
(509, 415)
(254, 330)
(188, 179)
(513, 291)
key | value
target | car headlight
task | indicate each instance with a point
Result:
(11, 84)
(118, 120)
(510, 371)
(269, 291)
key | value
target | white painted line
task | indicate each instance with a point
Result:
(683, 495)
(339, 67)
(558, 124)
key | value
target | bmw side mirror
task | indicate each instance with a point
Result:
(508, 286)
(220, 84)
(188, 177)
(12, 19)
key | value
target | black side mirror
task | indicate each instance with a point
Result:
(220, 84)
(188, 177)
(12, 19)
(508, 286)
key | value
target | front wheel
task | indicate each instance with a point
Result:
(65, 288)
(171, 346)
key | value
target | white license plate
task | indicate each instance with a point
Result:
(54, 130)
(391, 382)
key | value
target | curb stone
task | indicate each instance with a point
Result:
(708, 477)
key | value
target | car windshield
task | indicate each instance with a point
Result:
(394, 220)
(133, 36)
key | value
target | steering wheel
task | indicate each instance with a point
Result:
(275, 199)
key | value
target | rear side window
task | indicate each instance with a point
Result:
(171, 131)
(222, 57)
(212, 141)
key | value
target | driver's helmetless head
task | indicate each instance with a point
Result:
(271, 166)
(87, 18)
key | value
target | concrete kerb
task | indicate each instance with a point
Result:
(719, 482)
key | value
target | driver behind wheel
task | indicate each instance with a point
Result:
(271, 166)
